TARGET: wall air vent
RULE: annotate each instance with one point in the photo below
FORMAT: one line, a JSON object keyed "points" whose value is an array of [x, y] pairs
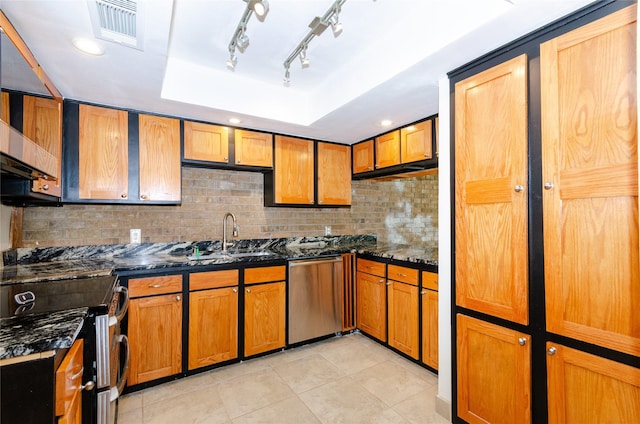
{"points": [[119, 21]]}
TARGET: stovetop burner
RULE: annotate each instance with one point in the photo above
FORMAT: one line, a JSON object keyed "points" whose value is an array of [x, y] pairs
{"points": [[55, 295]]}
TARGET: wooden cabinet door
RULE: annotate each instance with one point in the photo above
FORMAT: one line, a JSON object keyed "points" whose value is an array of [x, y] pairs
{"points": [[334, 174], [213, 326], [430, 327], [491, 191], [294, 175], [416, 141], [388, 149], [68, 399], [206, 142], [42, 124], [403, 318], [493, 373], [371, 310], [362, 157], [590, 172], [159, 150], [103, 154], [587, 389], [264, 318], [155, 337], [253, 148]]}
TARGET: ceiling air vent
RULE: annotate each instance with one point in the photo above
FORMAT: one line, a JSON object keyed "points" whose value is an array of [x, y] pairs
{"points": [[119, 21]]}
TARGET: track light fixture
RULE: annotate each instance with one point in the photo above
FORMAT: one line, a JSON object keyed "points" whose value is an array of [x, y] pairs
{"points": [[240, 40], [317, 25]]}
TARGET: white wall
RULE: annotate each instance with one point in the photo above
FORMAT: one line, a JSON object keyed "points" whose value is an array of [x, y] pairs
{"points": [[444, 253]]}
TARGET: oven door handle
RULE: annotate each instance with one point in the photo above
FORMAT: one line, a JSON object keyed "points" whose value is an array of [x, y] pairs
{"points": [[122, 310], [117, 390]]}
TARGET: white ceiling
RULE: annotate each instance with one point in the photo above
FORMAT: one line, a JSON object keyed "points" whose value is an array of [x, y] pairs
{"points": [[385, 64]]}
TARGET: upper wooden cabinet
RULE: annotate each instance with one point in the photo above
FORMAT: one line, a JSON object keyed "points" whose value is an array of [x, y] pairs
{"points": [[159, 159], [111, 155], [206, 142], [334, 174], [363, 157], [491, 191], [293, 174], [416, 142], [387, 149], [590, 177], [253, 148]]}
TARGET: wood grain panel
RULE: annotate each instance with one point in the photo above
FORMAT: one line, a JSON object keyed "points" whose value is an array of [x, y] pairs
{"points": [[494, 373], [149, 286], [334, 174], [155, 334], [348, 295], [103, 153], [403, 320], [372, 267], [404, 274], [388, 149], [294, 174], [159, 158], [213, 279], [4, 107], [362, 157], [371, 310], [213, 326], [415, 142], [430, 328], [430, 280], [265, 274], [69, 377], [587, 389], [589, 149], [264, 322], [206, 142], [253, 148], [491, 216]]}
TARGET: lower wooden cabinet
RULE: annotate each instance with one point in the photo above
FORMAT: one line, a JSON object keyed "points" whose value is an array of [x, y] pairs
{"points": [[68, 380], [584, 388], [213, 317], [371, 312], [403, 318], [493, 373], [264, 309], [155, 328], [429, 299]]}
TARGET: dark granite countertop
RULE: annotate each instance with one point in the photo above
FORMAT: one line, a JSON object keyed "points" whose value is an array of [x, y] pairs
{"points": [[32, 334]]}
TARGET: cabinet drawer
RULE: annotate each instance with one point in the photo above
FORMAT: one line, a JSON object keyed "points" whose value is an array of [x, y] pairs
{"points": [[265, 274], [69, 377], [430, 280], [151, 286], [371, 267], [404, 274], [213, 279]]}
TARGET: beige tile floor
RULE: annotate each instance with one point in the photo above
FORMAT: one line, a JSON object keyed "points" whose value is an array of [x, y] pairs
{"points": [[348, 379]]}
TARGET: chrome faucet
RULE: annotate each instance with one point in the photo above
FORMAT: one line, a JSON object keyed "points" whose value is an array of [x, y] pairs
{"points": [[226, 243]]}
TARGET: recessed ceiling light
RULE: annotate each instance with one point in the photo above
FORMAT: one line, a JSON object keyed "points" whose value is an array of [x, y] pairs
{"points": [[386, 122], [88, 46], [234, 121]]}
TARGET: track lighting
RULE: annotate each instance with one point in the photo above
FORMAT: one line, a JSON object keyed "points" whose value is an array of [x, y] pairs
{"points": [[317, 25], [240, 40]]}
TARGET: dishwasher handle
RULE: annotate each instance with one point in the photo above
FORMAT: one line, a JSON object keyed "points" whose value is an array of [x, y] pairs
{"points": [[314, 261]]}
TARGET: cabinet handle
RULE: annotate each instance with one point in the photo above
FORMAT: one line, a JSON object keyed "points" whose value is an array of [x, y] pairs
{"points": [[522, 341], [178, 298], [388, 283], [320, 202], [123, 195], [45, 187], [248, 290], [548, 185], [426, 155], [155, 286], [144, 196], [78, 374], [238, 161], [88, 386], [225, 158], [401, 275], [423, 292], [518, 188], [552, 351]]}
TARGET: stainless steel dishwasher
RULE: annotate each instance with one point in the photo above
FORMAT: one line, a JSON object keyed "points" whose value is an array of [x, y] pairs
{"points": [[315, 298]]}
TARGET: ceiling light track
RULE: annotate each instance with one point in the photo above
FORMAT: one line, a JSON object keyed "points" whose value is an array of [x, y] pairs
{"points": [[240, 40], [331, 19]]}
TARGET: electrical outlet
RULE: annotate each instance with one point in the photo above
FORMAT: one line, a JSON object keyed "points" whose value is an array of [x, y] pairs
{"points": [[135, 235], [327, 230]]}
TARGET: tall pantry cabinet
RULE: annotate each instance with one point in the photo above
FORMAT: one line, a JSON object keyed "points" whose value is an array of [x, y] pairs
{"points": [[547, 258]]}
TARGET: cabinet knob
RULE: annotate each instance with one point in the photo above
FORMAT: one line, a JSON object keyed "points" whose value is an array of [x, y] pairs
{"points": [[235, 290], [423, 292], [238, 161], [522, 341], [389, 283], [123, 195], [551, 351], [518, 188], [369, 168], [178, 298], [45, 187], [548, 185], [248, 290], [144, 196], [380, 281], [225, 158]]}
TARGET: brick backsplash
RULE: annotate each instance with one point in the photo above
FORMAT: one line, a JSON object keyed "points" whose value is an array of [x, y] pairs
{"points": [[400, 211]]}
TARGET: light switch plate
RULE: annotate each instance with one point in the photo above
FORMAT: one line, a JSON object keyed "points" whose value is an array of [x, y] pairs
{"points": [[135, 235], [327, 230]]}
